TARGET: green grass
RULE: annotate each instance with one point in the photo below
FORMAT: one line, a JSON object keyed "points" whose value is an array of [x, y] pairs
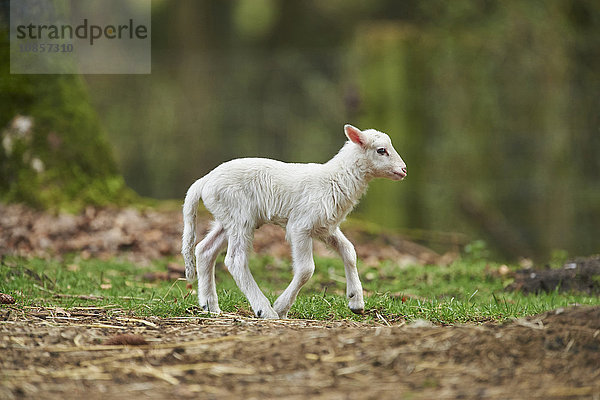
{"points": [[469, 290]]}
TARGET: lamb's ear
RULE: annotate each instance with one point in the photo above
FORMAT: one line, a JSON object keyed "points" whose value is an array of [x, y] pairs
{"points": [[355, 135]]}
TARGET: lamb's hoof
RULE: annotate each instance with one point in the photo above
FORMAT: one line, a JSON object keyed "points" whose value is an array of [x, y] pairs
{"points": [[211, 310], [282, 314], [358, 311], [267, 314]]}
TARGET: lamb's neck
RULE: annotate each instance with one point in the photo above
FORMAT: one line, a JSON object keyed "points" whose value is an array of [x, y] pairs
{"points": [[348, 174]]}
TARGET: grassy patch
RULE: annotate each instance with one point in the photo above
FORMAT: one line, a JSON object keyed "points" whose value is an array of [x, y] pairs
{"points": [[466, 291]]}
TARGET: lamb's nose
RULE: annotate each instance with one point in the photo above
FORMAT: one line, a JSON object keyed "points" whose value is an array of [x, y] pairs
{"points": [[405, 171]]}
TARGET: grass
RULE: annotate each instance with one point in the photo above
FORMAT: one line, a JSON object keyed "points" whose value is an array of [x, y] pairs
{"points": [[469, 290]]}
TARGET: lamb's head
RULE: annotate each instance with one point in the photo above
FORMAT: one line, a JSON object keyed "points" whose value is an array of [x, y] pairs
{"points": [[377, 153]]}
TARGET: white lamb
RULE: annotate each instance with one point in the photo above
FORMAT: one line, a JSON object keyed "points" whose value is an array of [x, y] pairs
{"points": [[310, 200]]}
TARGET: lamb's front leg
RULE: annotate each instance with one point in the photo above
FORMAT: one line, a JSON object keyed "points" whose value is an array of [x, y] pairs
{"points": [[354, 291], [303, 265]]}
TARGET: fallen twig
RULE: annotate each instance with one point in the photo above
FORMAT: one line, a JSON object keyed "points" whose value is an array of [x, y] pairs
{"points": [[200, 342], [141, 321]]}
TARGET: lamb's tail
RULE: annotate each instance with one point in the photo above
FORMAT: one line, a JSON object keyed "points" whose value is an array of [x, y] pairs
{"points": [[190, 208]]}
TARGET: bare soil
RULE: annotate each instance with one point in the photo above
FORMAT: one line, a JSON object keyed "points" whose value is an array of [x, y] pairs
{"points": [[579, 275], [54, 354]]}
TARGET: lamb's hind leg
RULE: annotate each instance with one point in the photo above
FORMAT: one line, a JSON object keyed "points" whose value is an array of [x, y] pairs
{"points": [[206, 254], [303, 265], [237, 263], [354, 291]]}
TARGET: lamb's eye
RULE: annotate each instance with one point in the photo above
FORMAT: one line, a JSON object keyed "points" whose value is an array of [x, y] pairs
{"points": [[382, 151]]}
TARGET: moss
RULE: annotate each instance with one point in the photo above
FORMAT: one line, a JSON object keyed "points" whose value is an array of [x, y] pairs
{"points": [[66, 139]]}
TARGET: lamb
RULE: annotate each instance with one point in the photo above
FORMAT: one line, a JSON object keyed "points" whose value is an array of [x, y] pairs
{"points": [[309, 200]]}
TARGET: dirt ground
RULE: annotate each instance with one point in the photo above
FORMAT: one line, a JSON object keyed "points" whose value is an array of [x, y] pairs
{"points": [[54, 354], [581, 275], [142, 236], [51, 353]]}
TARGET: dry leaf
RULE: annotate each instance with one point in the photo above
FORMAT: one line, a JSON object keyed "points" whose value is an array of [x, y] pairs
{"points": [[73, 267], [126, 339]]}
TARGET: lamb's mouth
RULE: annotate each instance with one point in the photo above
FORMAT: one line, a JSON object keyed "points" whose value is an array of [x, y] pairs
{"points": [[399, 175]]}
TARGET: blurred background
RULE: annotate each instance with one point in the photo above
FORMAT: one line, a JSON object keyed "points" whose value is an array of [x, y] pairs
{"points": [[494, 106]]}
